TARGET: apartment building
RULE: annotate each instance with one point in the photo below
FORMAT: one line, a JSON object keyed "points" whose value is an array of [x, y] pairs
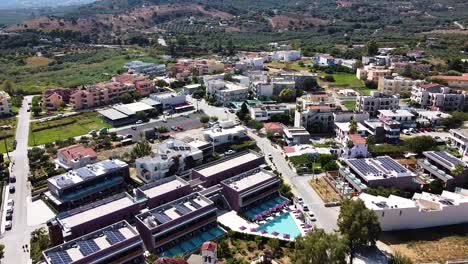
{"points": [[52, 101], [245, 189], [440, 164], [316, 118], [163, 191], [423, 210], [117, 243], [75, 156], [145, 68], [404, 118], [342, 130], [187, 67], [226, 92], [377, 101], [324, 60], [264, 112], [85, 184], [454, 81], [439, 97], [171, 157], [395, 84], [286, 55], [5, 104], [142, 84], [380, 171], [296, 136], [225, 132], [459, 139], [99, 94], [372, 73], [213, 173]]}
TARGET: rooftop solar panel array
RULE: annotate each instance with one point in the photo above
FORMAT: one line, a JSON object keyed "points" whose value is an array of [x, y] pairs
{"points": [[195, 205], [109, 165], [449, 158], [162, 218], [391, 165], [85, 172], [182, 209], [363, 167], [59, 257], [114, 236], [88, 247]]}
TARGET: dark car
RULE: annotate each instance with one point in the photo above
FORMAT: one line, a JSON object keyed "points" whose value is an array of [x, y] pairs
{"points": [[12, 179], [12, 189], [134, 128], [9, 216]]}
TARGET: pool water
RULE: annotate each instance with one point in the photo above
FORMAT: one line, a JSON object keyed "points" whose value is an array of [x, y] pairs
{"points": [[264, 206], [283, 224]]}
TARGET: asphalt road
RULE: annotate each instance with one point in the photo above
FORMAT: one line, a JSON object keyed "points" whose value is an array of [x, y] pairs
{"points": [[19, 235], [190, 122]]}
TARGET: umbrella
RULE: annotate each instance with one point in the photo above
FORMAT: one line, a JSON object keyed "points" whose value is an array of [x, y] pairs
{"points": [[265, 213], [242, 228], [258, 217], [278, 206], [308, 226], [263, 231], [287, 236], [253, 229], [275, 233], [297, 211], [272, 210]]}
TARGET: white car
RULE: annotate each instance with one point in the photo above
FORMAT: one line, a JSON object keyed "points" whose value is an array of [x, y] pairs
{"points": [[10, 202], [8, 225], [270, 156], [139, 122], [311, 215], [9, 209]]}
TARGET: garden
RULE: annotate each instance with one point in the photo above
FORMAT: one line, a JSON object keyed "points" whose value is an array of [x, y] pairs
{"points": [[305, 164]]}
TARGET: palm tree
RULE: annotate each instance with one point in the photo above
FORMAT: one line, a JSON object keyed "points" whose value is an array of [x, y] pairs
{"points": [[353, 126]]}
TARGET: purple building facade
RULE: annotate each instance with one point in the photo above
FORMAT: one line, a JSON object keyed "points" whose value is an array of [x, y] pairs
{"points": [[163, 191]]}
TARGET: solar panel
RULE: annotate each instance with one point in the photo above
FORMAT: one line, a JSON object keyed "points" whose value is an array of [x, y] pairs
{"points": [[162, 218], [108, 165], [114, 236], [438, 158], [59, 257], [449, 158], [390, 164], [88, 247], [85, 173], [363, 167], [182, 209], [195, 205]]}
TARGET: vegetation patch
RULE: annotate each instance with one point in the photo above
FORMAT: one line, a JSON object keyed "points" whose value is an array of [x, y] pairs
{"points": [[325, 191]]}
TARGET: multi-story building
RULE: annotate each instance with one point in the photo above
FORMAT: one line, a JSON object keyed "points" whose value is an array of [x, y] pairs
{"points": [[417, 54], [324, 60], [145, 68], [187, 67], [261, 89], [459, 139], [395, 84], [215, 172], [171, 100], [5, 104], [263, 112], [286, 55], [316, 118], [117, 243], [163, 191], [176, 222], [353, 146], [404, 117], [99, 94], [296, 136], [440, 164], [423, 210], [142, 84], [75, 156], [281, 83], [428, 118], [380, 171], [82, 185], [226, 92], [342, 130], [372, 73], [454, 81], [93, 216], [439, 97], [377, 101], [171, 157], [245, 189], [225, 132], [52, 101]]}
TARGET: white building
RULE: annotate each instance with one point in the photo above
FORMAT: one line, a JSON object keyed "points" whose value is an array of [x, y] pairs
{"points": [[225, 132], [396, 84], [342, 130], [430, 118], [170, 157], [5, 104], [422, 211], [261, 89], [438, 97], [459, 139], [264, 112], [226, 92], [145, 68], [286, 55], [353, 146], [404, 117], [241, 79], [377, 101], [169, 99]]}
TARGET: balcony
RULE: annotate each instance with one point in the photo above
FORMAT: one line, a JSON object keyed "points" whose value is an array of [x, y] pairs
{"points": [[425, 164], [352, 179]]}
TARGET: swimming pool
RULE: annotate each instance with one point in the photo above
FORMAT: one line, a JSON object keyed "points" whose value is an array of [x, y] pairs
{"points": [[283, 224], [264, 206]]}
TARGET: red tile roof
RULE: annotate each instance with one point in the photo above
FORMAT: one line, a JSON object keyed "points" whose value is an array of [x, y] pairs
{"points": [[429, 85], [209, 246], [357, 139], [463, 78], [273, 126], [76, 152], [320, 107], [289, 149]]}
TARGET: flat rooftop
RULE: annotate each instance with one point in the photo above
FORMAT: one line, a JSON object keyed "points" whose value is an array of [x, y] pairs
{"points": [[248, 179], [94, 210], [344, 126], [396, 113], [443, 158], [163, 186], [133, 108], [112, 114], [90, 244], [378, 168], [89, 172], [171, 211], [228, 164]]}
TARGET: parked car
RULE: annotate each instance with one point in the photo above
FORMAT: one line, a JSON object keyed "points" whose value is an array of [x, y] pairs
{"points": [[139, 122], [9, 209], [305, 208], [29, 109], [128, 136], [299, 200], [8, 225], [229, 152], [313, 219], [186, 116], [173, 128], [12, 189], [311, 215], [60, 115], [180, 128], [12, 179], [134, 128], [10, 202], [270, 156], [9, 216], [92, 132]]}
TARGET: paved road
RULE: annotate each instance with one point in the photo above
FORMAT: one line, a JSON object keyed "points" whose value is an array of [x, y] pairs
{"points": [[20, 233], [326, 216], [190, 122]]}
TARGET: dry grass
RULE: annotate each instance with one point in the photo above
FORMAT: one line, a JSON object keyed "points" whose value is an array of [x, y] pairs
{"points": [[325, 191], [250, 251], [37, 61]]}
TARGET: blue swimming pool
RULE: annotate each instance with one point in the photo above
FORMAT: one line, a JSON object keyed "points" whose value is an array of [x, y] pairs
{"points": [[283, 224], [264, 206]]}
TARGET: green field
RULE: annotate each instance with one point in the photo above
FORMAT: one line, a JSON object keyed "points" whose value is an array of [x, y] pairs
{"points": [[84, 123], [9, 134], [351, 105], [347, 79], [71, 70]]}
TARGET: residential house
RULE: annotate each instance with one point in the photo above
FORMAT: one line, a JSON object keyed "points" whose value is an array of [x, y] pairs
{"points": [[353, 146], [5, 104], [75, 156], [273, 127], [405, 118], [439, 97], [342, 130], [296, 136], [459, 139], [225, 132], [316, 118], [264, 112], [440, 164], [416, 54], [324, 60], [226, 92], [395, 84]]}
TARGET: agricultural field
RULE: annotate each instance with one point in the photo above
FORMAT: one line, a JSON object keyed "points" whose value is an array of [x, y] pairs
{"points": [[7, 135], [60, 129]]}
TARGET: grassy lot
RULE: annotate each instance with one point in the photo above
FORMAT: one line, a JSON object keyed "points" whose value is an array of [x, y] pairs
{"points": [[351, 105], [325, 191], [8, 134], [65, 128], [292, 66], [34, 75], [347, 79], [430, 244], [365, 91]]}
